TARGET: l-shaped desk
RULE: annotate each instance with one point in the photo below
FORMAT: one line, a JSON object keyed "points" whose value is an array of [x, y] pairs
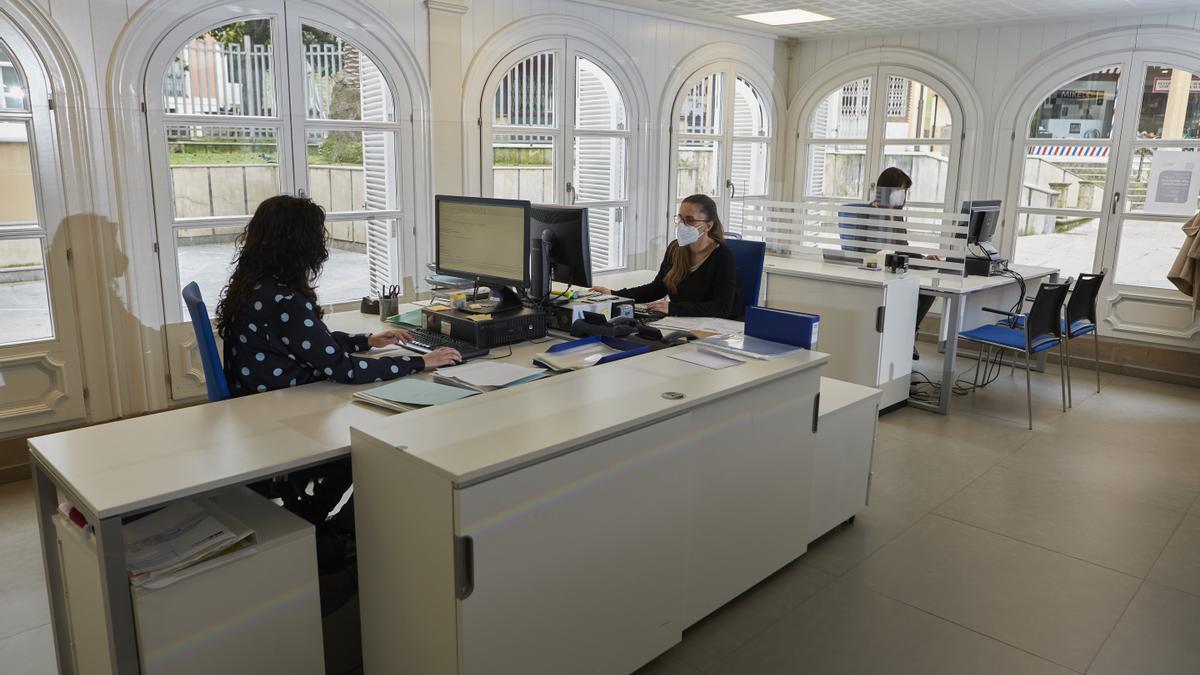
{"points": [[593, 514]]}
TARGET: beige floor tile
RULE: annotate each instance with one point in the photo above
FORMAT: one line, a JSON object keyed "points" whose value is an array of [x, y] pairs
{"points": [[670, 663], [23, 602], [1145, 472], [29, 653], [16, 507], [1179, 564], [845, 547], [1158, 635], [959, 428], [1043, 602], [1067, 516], [719, 634], [919, 475], [851, 629]]}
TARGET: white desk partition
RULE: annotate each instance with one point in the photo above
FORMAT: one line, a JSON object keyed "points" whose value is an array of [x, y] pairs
{"points": [[839, 231]]}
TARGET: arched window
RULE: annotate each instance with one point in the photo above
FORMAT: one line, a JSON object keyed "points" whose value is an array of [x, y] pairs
{"points": [[557, 130], [39, 338], [722, 141], [257, 106], [1110, 168], [1062, 195], [882, 119]]}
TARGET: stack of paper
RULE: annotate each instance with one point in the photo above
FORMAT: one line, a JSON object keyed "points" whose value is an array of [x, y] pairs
{"points": [[704, 324], [161, 547], [410, 393], [745, 345], [484, 376]]}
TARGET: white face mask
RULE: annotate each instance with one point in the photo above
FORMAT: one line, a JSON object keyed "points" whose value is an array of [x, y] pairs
{"points": [[686, 235], [891, 197]]}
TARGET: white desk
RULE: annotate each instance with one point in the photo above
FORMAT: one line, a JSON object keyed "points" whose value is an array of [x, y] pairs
{"points": [[964, 297], [582, 522], [737, 525], [114, 470]]}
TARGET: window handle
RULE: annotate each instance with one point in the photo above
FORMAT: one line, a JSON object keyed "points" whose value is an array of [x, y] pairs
{"points": [[1115, 200], [732, 188], [571, 191]]}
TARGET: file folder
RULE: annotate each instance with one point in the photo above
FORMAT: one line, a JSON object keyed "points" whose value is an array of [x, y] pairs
{"points": [[798, 329]]}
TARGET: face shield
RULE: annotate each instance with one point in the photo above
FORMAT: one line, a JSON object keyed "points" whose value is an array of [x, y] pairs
{"points": [[891, 197]]}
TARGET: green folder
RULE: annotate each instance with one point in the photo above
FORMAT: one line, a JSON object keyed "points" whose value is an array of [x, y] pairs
{"points": [[410, 391]]}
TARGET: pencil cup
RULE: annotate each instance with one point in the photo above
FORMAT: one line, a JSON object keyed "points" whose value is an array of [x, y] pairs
{"points": [[388, 307]]}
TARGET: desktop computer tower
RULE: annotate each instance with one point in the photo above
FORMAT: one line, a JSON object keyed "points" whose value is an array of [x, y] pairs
{"points": [[487, 330]]}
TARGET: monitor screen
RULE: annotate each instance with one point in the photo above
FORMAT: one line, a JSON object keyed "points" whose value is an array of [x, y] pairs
{"points": [[485, 239], [570, 255], [985, 216]]}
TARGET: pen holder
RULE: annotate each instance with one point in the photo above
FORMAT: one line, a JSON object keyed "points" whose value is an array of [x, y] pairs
{"points": [[369, 306], [388, 307]]}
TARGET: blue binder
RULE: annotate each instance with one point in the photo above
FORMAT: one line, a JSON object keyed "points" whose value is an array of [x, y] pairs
{"points": [[779, 325]]}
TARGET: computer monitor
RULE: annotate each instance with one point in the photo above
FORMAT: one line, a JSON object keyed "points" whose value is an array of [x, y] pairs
{"points": [[559, 249], [483, 239], [985, 216]]}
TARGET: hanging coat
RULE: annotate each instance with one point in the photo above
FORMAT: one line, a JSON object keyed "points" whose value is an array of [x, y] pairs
{"points": [[1185, 273]]}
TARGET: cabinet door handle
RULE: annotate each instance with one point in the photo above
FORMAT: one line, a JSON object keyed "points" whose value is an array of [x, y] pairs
{"points": [[880, 314], [816, 411], [464, 567]]}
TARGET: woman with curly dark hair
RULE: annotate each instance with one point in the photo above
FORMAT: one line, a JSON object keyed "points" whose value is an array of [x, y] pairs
{"points": [[269, 318]]}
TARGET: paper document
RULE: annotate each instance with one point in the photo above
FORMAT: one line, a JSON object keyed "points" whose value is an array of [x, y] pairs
{"points": [[745, 345], [407, 393], [487, 375], [708, 359], [706, 324], [1174, 183], [390, 350], [178, 536]]}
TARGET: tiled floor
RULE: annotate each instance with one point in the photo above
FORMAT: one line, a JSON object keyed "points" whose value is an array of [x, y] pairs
{"points": [[987, 548]]}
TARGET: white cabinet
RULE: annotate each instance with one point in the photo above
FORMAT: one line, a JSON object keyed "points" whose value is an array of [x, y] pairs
{"points": [[256, 614], [867, 325], [845, 448], [595, 557]]}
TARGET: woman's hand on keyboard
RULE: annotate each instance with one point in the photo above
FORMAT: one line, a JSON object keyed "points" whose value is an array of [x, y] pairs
{"points": [[389, 337], [442, 356]]}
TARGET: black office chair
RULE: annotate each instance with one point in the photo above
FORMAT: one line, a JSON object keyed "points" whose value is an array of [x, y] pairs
{"points": [[1042, 329], [1079, 319]]}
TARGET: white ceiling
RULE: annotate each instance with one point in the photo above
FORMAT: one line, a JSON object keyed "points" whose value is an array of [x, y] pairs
{"points": [[881, 16]]}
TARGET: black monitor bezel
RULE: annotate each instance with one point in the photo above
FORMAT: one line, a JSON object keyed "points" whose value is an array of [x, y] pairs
{"points": [[586, 237], [981, 206], [523, 204]]}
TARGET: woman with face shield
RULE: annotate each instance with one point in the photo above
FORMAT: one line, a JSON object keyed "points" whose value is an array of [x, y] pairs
{"points": [[698, 276]]}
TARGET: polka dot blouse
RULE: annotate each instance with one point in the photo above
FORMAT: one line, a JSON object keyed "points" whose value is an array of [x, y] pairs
{"points": [[281, 342]]}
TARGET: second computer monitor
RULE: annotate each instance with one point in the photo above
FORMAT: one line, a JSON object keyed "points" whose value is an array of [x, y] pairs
{"points": [[985, 216], [483, 239], [570, 254]]}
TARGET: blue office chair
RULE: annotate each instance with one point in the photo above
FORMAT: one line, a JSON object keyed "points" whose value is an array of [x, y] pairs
{"points": [[748, 256], [1042, 330], [214, 375]]}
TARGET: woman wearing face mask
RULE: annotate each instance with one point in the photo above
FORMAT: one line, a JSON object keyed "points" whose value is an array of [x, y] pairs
{"points": [[697, 276]]}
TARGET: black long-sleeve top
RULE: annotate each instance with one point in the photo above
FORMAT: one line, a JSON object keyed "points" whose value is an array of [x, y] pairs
{"points": [[709, 290], [281, 342]]}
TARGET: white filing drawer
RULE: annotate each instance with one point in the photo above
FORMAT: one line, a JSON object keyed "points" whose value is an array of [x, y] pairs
{"points": [[844, 451], [257, 614]]}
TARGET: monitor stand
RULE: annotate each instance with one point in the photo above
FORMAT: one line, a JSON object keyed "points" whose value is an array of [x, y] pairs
{"points": [[508, 301], [990, 250]]}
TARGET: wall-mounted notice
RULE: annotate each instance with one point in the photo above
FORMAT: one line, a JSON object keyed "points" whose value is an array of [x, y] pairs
{"points": [[1174, 182]]}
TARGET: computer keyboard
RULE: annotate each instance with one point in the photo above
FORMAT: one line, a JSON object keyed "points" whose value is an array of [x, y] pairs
{"points": [[425, 341]]}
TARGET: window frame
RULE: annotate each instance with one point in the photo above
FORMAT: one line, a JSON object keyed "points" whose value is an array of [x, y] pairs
{"points": [[566, 51], [876, 140], [724, 139], [291, 122]]}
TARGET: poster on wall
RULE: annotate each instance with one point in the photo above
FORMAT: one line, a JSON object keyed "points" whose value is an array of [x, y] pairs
{"points": [[1174, 182]]}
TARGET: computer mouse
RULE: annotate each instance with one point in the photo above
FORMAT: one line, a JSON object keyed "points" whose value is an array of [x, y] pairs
{"points": [[678, 337]]}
